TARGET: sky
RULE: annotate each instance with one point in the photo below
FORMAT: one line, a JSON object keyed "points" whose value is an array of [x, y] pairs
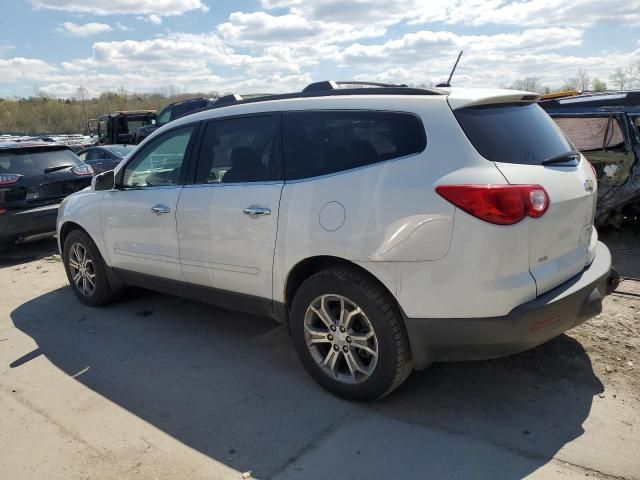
{"points": [[261, 46]]}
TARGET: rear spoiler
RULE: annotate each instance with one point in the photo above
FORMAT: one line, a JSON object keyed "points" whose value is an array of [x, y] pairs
{"points": [[475, 98]]}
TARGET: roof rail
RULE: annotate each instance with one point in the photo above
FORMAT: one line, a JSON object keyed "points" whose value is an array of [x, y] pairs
{"points": [[334, 85], [359, 88]]}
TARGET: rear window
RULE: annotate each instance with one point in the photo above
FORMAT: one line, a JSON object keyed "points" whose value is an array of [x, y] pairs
{"points": [[322, 142], [33, 162], [510, 133]]}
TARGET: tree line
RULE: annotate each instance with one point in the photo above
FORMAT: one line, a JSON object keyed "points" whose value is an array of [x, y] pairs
{"points": [[44, 114], [622, 78]]}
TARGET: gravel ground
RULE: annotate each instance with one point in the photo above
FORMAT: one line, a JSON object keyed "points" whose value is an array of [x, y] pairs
{"points": [[157, 387]]}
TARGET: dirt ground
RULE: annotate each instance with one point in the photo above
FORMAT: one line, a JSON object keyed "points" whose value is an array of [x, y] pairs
{"points": [[612, 338], [158, 387]]}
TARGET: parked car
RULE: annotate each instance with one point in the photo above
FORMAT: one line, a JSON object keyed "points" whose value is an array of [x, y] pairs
{"points": [[170, 113], [119, 128], [388, 227], [34, 178], [605, 127], [104, 158]]}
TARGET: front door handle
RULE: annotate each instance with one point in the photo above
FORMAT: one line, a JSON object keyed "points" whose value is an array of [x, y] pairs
{"points": [[160, 209], [254, 211]]}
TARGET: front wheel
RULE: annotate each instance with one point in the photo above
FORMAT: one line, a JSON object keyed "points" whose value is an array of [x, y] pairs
{"points": [[86, 270], [349, 335]]}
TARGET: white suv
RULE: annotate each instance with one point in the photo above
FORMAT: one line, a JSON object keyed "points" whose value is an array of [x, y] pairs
{"points": [[388, 227]]}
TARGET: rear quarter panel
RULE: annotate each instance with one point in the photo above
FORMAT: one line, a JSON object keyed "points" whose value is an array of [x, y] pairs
{"points": [[379, 215]]}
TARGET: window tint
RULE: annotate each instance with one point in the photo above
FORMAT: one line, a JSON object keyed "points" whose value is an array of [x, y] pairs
{"points": [[159, 163], [238, 150], [510, 133], [318, 143]]}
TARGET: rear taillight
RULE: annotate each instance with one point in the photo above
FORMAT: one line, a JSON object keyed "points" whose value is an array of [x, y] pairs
{"points": [[498, 204], [82, 170], [9, 178]]}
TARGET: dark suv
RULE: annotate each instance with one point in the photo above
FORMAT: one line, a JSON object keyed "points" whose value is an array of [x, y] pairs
{"points": [[34, 179], [171, 112]]}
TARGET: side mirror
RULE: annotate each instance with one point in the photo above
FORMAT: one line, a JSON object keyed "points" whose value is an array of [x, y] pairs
{"points": [[104, 181]]}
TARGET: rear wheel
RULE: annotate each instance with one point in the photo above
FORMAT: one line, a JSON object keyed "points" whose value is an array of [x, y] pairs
{"points": [[349, 335], [86, 270]]}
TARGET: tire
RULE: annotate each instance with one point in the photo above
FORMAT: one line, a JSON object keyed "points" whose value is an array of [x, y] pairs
{"points": [[368, 307], [94, 271]]}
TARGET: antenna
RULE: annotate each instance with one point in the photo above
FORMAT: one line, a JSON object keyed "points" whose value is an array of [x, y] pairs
{"points": [[448, 84]]}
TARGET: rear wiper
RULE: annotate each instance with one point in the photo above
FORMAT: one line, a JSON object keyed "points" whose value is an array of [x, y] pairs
{"points": [[562, 157], [55, 169]]}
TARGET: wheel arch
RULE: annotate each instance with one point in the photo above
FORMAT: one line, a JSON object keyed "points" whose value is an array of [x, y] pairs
{"points": [[66, 228], [311, 265]]}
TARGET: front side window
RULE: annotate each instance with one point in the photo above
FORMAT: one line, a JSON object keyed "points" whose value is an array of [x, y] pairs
{"points": [[322, 142], [238, 150], [161, 162]]}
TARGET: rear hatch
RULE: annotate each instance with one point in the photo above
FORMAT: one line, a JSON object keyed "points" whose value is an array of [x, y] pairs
{"points": [[520, 138], [36, 176]]}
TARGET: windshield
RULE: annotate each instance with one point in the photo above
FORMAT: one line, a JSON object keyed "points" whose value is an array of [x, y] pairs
{"points": [[33, 162], [511, 133], [164, 117], [120, 150]]}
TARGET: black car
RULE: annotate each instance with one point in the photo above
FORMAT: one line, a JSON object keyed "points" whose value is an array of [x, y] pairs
{"points": [[104, 158], [171, 112], [34, 179]]}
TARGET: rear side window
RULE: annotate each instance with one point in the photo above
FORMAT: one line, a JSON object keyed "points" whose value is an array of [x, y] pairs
{"points": [[239, 150], [510, 133], [322, 142], [32, 162]]}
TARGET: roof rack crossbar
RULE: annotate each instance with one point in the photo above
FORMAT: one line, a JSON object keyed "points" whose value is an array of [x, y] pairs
{"points": [[334, 85]]}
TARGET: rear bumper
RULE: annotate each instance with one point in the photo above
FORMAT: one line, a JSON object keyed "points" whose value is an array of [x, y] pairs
{"points": [[19, 224], [526, 326]]}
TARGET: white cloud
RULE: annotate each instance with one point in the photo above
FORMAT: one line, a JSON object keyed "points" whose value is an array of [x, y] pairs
{"points": [[295, 42], [123, 7], [84, 30], [123, 28]]}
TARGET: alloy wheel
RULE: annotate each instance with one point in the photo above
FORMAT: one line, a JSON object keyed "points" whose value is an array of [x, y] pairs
{"points": [[340, 338], [82, 269]]}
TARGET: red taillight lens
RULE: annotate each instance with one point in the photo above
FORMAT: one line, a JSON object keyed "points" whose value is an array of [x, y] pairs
{"points": [[9, 178], [498, 204], [82, 170]]}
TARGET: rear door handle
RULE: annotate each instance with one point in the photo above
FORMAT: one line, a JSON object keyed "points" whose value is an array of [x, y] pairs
{"points": [[254, 211], [160, 209]]}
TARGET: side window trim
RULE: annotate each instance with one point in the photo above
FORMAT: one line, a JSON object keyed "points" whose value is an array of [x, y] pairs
{"points": [[277, 149], [187, 161]]}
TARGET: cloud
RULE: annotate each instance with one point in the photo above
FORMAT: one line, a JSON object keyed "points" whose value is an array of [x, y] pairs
{"points": [[83, 30], [156, 8], [295, 42]]}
